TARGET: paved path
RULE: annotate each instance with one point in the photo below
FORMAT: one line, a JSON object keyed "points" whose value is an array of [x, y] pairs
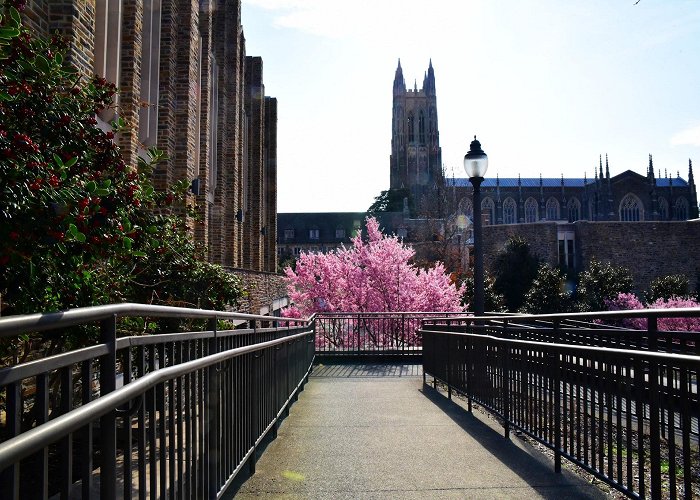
{"points": [[374, 431]]}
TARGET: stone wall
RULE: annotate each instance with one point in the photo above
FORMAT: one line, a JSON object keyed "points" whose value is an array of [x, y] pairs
{"points": [[647, 249], [267, 292]]}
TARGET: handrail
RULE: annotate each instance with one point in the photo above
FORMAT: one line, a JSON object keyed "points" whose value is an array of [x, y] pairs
{"points": [[15, 325], [677, 312], [658, 356], [39, 437]]}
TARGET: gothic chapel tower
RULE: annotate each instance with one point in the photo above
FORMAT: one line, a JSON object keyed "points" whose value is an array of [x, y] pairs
{"points": [[415, 161]]}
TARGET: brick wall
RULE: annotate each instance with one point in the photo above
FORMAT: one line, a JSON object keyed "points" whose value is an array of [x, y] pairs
{"points": [[647, 249], [255, 110], [263, 290], [270, 176], [193, 34]]}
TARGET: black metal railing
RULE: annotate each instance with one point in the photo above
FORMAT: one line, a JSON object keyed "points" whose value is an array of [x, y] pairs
{"points": [[628, 414], [374, 333], [176, 415]]}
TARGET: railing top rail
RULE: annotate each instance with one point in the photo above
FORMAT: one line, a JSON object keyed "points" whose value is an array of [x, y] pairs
{"points": [[632, 313], [628, 353], [387, 313], [25, 444], [15, 325]]}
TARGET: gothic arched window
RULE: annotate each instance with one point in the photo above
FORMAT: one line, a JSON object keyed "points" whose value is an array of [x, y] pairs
{"points": [[410, 128], [489, 207], [631, 209], [421, 128], [531, 210], [466, 207], [510, 211], [552, 209], [574, 209], [663, 208], [680, 209]]}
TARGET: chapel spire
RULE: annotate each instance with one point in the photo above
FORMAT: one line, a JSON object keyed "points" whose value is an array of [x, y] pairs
{"points": [[399, 82]]}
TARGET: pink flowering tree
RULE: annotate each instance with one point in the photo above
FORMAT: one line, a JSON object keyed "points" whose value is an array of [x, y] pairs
{"points": [[629, 301], [376, 275]]}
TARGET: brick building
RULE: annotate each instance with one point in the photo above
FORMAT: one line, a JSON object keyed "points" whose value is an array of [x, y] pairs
{"points": [[186, 87]]}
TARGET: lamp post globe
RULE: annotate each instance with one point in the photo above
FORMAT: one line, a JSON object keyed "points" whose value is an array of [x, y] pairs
{"points": [[475, 164]]}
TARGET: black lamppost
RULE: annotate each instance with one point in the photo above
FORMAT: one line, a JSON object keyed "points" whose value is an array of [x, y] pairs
{"points": [[475, 164]]}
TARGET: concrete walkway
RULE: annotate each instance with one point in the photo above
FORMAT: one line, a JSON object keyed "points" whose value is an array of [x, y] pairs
{"points": [[374, 431]]}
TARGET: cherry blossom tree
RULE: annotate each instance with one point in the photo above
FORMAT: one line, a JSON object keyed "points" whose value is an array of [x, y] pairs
{"points": [[370, 276]]}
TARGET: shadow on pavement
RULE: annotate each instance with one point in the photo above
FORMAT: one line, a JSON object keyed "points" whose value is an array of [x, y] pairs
{"points": [[532, 466]]}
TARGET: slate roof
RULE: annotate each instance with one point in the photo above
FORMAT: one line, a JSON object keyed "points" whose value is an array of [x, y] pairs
{"points": [[551, 182], [325, 222]]}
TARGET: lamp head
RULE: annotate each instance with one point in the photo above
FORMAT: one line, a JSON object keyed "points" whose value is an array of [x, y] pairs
{"points": [[475, 161]]}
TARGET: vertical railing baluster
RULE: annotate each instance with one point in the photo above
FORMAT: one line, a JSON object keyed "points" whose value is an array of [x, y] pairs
{"points": [[654, 424], [66, 443], [86, 374], [126, 374], [557, 369], [9, 484], [212, 421], [141, 430], [108, 424], [40, 473], [506, 391]]}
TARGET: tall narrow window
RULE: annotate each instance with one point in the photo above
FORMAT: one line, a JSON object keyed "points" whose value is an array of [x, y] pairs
{"points": [[509, 211], [150, 72], [213, 126], [680, 209], [663, 208], [421, 128], [531, 210], [574, 209], [410, 128], [552, 209], [488, 206], [631, 209], [198, 109], [108, 35]]}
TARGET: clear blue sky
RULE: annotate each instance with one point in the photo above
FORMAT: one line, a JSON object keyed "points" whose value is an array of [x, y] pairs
{"points": [[546, 85]]}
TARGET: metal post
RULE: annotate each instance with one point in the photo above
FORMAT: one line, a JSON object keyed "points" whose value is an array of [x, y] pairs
{"points": [[108, 422], [506, 392], [654, 425], [478, 248], [212, 405]]}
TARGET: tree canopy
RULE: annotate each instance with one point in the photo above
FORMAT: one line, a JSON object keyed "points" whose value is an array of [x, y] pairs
{"points": [[376, 275]]}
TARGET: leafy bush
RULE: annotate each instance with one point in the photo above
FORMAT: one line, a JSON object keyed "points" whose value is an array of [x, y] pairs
{"points": [[514, 270], [78, 226], [548, 293], [601, 282], [493, 301], [665, 287]]}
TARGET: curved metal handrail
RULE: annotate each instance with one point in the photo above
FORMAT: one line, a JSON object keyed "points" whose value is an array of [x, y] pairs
{"points": [[15, 325]]}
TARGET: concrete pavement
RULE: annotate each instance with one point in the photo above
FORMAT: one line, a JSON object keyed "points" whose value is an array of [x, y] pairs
{"points": [[374, 431]]}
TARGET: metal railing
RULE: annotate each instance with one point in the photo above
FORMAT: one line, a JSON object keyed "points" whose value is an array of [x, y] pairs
{"points": [[176, 415], [627, 414], [373, 333]]}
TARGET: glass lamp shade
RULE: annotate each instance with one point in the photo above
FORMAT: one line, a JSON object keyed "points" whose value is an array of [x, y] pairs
{"points": [[475, 161]]}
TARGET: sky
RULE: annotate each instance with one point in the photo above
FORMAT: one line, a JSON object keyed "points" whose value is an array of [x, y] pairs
{"points": [[546, 85]]}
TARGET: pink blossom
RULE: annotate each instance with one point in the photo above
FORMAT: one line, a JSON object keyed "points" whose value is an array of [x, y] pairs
{"points": [[371, 276]]}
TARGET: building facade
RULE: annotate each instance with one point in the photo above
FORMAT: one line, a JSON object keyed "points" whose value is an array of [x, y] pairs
{"points": [[416, 158], [626, 197], [186, 87]]}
